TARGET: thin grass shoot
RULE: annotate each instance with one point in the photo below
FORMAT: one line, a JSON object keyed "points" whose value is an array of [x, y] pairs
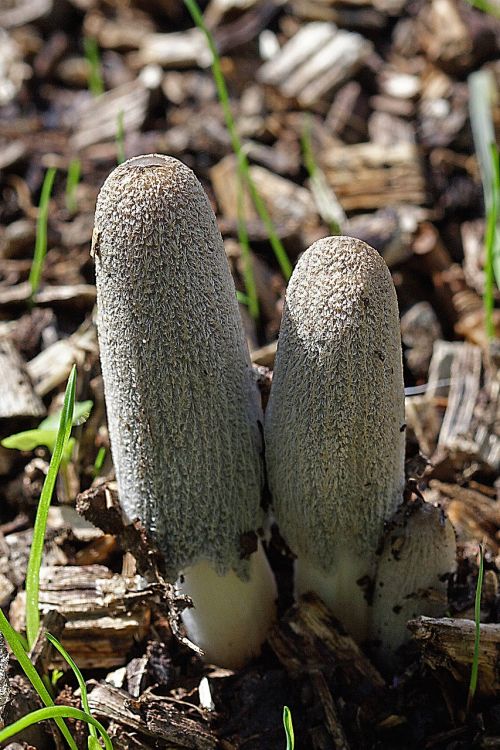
{"points": [[326, 201], [120, 138], [99, 461], [242, 161], [477, 637], [72, 180], [94, 79], [287, 723], [57, 713], [79, 677], [482, 93], [36, 551], [492, 245], [41, 231], [246, 255], [17, 647]]}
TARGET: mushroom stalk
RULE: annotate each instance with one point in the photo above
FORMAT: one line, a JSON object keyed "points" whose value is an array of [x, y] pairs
{"points": [[335, 422], [183, 407]]}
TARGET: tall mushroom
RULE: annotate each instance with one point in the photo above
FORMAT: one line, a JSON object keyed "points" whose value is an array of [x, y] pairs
{"points": [[334, 425], [183, 409]]}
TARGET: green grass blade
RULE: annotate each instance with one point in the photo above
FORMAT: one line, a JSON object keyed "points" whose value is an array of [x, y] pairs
{"points": [[57, 713], [246, 255], [95, 81], [326, 201], [492, 246], [41, 231], [16, 645], [243, 165], [72, 180], [477, 619], [36, 552], [120, 138], [287, 723], [79, 677], [491, 8], [482, 93]]}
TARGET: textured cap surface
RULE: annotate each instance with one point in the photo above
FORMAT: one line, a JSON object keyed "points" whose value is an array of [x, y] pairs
{"points": [[183, 407], [335, 420]]}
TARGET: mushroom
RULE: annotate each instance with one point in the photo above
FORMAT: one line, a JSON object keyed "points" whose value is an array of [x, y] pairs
{"points": [[417, 559], [334, 428], [183, 408]]}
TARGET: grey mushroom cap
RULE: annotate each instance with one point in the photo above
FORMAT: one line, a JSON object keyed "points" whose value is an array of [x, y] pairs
{"points": [[183, 408], [334, 426]]}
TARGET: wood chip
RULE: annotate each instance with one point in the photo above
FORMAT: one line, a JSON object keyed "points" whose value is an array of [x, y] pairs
{"points": [[181, 49], [447, 645], [18, 397], [309, 639], [97, 119], [286, 201], [150, 717], [52, 366], [318, 59], [370, 176], [105, 612]]}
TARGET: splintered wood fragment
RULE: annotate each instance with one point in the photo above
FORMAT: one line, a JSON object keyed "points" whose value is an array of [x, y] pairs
{"points": [[52, 366], [265, 355], [386, 129], [309, 639], [18, 397], [465, 374], [448, 645], [472, 513], [420, 329], [11, 152], [97, 119], [150, 716], [105, 612], [81, 296], [14, 14], [473, 243], [318, 59], [286, 202], [439, 377], [332, 723], [180, 49], [443, 33], [370, 176]]}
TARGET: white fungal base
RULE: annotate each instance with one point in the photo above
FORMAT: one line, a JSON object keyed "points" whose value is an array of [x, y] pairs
{"points": [[339, 589], [230, 618], [418, 557]]}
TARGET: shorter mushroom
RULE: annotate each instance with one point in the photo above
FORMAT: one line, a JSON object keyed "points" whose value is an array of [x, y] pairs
{"points": [[334, 425]]}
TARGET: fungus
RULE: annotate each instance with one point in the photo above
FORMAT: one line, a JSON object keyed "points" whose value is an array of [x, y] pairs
{"points": [[183, 408], [417, 559], [334, 425]]}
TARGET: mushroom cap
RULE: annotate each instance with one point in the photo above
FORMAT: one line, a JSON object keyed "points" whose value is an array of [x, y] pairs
{"points": [[334, 426], [183, 407]]}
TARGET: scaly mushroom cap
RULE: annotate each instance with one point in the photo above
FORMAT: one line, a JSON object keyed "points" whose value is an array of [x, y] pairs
{"points": [[334, 427], [183, 407]]}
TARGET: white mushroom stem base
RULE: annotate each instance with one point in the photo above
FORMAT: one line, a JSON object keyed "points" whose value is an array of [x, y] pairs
{"points": [[339, 588], [230, 618]]}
